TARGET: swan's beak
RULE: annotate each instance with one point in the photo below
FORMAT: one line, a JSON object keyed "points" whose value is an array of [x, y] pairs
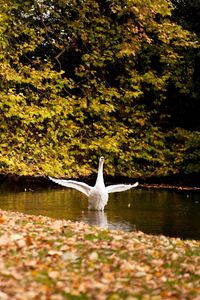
{"points": [[101, 158]]}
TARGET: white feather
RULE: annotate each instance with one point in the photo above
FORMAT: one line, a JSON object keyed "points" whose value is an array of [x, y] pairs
{"points": [[120, 187], [80, 186]]}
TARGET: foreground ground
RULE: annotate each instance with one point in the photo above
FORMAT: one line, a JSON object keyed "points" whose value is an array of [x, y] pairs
{"points": [[42, 258]]}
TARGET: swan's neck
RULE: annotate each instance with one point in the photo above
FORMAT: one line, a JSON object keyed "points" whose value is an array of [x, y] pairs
{"points": [[100, 181]]}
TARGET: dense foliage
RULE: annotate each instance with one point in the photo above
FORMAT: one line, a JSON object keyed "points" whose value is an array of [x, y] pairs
{"points": [[79, 79]]}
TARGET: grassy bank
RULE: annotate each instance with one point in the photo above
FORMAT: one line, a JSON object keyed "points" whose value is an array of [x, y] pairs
{"points": [[42, 258]]}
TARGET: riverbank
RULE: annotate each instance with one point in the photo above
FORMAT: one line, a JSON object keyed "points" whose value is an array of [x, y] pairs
{"points": [[17, 182], [42, 258]]}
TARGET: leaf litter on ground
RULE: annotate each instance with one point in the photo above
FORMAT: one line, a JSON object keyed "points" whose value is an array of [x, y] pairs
{"points": [[42, 258]]}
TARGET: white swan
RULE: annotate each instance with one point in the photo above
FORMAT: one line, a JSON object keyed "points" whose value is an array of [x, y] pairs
{"points": [[97, 195]]}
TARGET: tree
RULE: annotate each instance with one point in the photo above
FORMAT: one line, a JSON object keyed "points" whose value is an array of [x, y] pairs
{"points": [[84, 78], [187, 13]]}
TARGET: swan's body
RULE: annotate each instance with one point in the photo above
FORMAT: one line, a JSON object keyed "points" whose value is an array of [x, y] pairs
{"points": [[97, 195]]}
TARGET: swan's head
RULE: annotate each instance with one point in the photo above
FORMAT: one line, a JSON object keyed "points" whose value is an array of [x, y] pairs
{"points": [[101, 159]]}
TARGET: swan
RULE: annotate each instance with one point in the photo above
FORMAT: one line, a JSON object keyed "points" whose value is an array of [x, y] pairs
{"points": [[98, 194]]}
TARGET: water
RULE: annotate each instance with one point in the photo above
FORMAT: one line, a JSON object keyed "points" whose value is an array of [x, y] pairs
{"points": [[172, 213]]}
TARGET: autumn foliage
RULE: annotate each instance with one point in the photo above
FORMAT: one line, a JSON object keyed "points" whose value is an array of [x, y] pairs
{"points": [[79, 79]]}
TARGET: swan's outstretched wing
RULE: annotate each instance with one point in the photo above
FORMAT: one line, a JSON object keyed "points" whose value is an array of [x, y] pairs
{"points": [[80, 186], [120, 187]]}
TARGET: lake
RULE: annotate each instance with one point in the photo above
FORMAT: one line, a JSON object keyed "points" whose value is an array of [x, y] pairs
{"points": [[155, 211]]}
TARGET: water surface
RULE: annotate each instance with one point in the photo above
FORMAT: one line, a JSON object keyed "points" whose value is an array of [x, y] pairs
{"points": [[172, 213]]}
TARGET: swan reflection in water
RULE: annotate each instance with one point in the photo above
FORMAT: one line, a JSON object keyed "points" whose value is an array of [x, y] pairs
{"points": [[99, 218], [96, 218]]}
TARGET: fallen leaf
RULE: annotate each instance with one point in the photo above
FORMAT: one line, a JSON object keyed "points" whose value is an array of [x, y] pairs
{"points": [[93, 256]]}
